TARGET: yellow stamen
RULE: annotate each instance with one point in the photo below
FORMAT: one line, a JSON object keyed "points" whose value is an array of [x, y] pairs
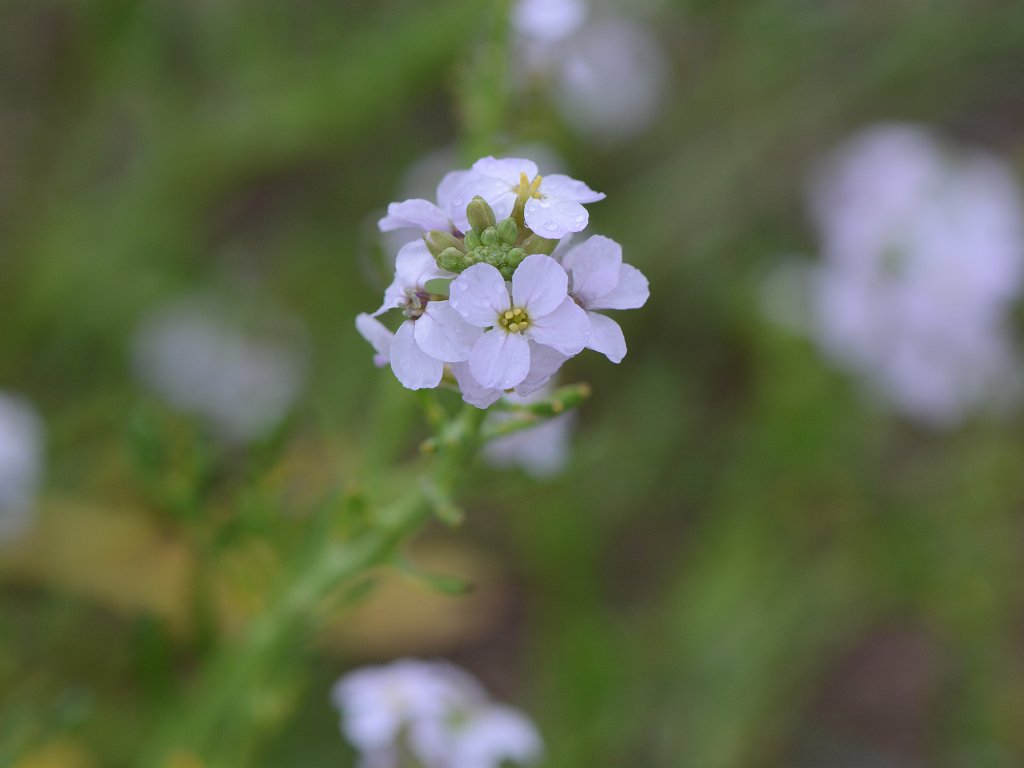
{"points": [[535, 186], [508, 315]]}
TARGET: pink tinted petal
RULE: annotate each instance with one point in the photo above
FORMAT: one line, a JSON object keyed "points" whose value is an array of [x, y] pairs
{"points": [[500, 360], [414, 265], [499, 195], [442, 333], [479, 294], [421, 214], [632, 291], [553, 217], [606, 337], [565, 330], [373, 331], [413, 367], [561, 186], [507, 169], [594, 265], [447, 188], [544, 363], [539, 285], [472, 392]]}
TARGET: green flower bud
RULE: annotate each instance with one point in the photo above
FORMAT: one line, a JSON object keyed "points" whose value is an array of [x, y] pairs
{"points": [[489, 236], [437, 241], [537, 244], [453, 260], [508, 231], [480, 214], [472, 241]]}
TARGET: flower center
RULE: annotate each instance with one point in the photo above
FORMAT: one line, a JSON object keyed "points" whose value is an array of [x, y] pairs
{"points": [[514, 320], [415, 304], [527, 188]]}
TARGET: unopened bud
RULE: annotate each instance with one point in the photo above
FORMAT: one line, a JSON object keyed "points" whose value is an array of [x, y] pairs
{"points": [[480, 214], [453, 260], [489, 236], [508, 231], [472, 241], [438, 240]]}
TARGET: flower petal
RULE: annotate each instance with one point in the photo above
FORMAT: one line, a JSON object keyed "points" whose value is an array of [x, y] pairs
{"points": [[447, 188], [507, 169], [442, 333], [499, 195], [632, 291], [606, 337], [594, 265], [565, 330], [544, 363], [472, 392], [413, 367], [480, 294], [500, 360], [554, 217], [539, 285], [414, 265], [421, 214], [373, 331], [561, 186]]}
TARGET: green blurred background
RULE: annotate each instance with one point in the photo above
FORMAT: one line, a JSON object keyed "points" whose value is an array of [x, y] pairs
{"points": [[746, 562]]}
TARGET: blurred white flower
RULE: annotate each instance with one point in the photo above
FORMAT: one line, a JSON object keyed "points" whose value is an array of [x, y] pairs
{"points": [[194, 355], [541, 451], [611, 79], [923, 252], [548, 20], [434, 712], [21, 462], [606, 73]]}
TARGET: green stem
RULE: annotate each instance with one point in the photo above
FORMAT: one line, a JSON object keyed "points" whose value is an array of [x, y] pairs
{"points": [[216, 717]]}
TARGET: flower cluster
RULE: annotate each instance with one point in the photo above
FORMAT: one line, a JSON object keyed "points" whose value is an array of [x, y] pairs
{"points": [[494, 295], [923, 262], [431, 715]]}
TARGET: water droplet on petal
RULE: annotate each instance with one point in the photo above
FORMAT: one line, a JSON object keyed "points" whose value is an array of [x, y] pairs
{"points": [[550, 227]]}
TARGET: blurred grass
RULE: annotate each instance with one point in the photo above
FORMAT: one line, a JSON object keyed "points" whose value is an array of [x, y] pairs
{"points": [[737, 522]]}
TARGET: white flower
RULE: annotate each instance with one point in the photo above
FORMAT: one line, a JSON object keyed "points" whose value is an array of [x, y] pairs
{"points": [[539, 310], [548, 20], [923, 257], [487, 736], [379, 703], [599, 280], [541, 451], [433, 332], [193, 355], [434, 711], [21, 460], [553, 205], [423, 214]]}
